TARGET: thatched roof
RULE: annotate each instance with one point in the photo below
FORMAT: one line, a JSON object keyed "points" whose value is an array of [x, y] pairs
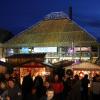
{"points": [[52, 32]]}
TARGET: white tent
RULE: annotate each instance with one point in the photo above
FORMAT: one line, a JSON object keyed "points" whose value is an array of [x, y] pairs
{"points": [[86, 66]]}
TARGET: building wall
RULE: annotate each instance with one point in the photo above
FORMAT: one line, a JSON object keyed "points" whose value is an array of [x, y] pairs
{"points": [[61, 53]]}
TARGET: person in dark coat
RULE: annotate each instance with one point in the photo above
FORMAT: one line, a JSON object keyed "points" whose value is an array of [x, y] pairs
{"points": [[27, 85], [67, 82], [38, 83], [74, 93], [33, 95], [84, 87]]}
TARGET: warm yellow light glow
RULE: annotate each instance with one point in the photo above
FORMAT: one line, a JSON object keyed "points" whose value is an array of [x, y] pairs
{"points": [[3, 59]]}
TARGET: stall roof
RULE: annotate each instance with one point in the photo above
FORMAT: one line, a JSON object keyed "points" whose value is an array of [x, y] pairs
{"points": [[63, 63], [86, 66], [34, 64], [18, 59], [27, 55]]}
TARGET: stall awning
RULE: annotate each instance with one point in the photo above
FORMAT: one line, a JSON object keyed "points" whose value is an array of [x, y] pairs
{"points": [[86, 66]]}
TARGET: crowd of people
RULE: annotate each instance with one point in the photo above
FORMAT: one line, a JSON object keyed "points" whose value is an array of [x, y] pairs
{"points": [[53, 88]]}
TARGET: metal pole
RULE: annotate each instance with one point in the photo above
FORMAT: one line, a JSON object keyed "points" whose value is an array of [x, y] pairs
{"points": [[98, 51]]}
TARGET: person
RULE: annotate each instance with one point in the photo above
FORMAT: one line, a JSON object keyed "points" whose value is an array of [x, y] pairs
{"points": [[49, 95], [74, 93], [26, 86], [32, 95], [13, 91], [38, 83], [96, 88], [84, 87], [3, 87], [67, 82], [8, 98], [58, 87], [46, 86]]}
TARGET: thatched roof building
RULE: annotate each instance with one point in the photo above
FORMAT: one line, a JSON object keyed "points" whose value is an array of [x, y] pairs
{"points": [[54, 30]]}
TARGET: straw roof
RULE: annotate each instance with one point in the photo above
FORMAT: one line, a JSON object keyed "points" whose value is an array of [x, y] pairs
{"points": [[86, 66], [52, 32]]}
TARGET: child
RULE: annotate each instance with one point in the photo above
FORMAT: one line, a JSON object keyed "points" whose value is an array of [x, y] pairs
{"points": [[49, 95]]}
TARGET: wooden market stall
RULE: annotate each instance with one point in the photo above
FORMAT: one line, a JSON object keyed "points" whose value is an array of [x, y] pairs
{"points": [[34, 68], [24, 64]]}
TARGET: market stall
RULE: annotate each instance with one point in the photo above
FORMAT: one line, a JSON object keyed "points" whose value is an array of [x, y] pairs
{"points": [[24, 64], [33, 68], [86, 68]]}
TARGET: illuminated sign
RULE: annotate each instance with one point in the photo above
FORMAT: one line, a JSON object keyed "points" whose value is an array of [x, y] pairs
{"points": [[45, 49], [82, 49], [24, 50]]}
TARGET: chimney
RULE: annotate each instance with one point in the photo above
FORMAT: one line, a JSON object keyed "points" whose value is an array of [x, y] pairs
{"points": [[70, 12]]}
